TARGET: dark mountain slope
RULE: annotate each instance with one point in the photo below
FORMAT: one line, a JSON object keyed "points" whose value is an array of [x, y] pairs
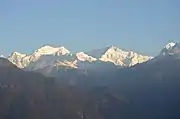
{"points": [[27, 95], [153, 88], [24, 94], [150, 90]]}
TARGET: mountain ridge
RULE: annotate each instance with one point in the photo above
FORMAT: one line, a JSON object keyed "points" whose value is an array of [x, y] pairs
{"points": [[153, 84], [61, 50], [56, 57]]}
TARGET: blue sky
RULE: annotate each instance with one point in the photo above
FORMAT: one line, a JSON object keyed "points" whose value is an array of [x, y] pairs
{"points": [[81, 25]]}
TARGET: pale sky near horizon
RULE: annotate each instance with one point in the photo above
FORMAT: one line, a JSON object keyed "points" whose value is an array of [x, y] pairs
{"points": [[144, 26]]}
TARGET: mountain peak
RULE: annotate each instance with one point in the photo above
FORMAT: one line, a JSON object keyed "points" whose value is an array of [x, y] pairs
{"points": [[169, 49], [17, 54], [170, 45], [48, 50], [48, 55], [112, 46], [114, 49], [118, 56], [97, 53], [84, 57]]}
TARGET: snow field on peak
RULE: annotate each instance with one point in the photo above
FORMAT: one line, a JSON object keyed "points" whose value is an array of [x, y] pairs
{"points": [[51, 58]]}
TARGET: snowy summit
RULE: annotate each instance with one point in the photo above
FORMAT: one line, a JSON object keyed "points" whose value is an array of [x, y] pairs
{"points": [[170, 45], [54, 58]]}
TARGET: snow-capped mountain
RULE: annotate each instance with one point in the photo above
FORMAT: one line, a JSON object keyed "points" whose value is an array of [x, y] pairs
{"points": [[50, 59], [49, 50], [167, 48], [24, 60], [81, 56], [118, 56], [172, 49], [17, 59], [170, 45]]}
